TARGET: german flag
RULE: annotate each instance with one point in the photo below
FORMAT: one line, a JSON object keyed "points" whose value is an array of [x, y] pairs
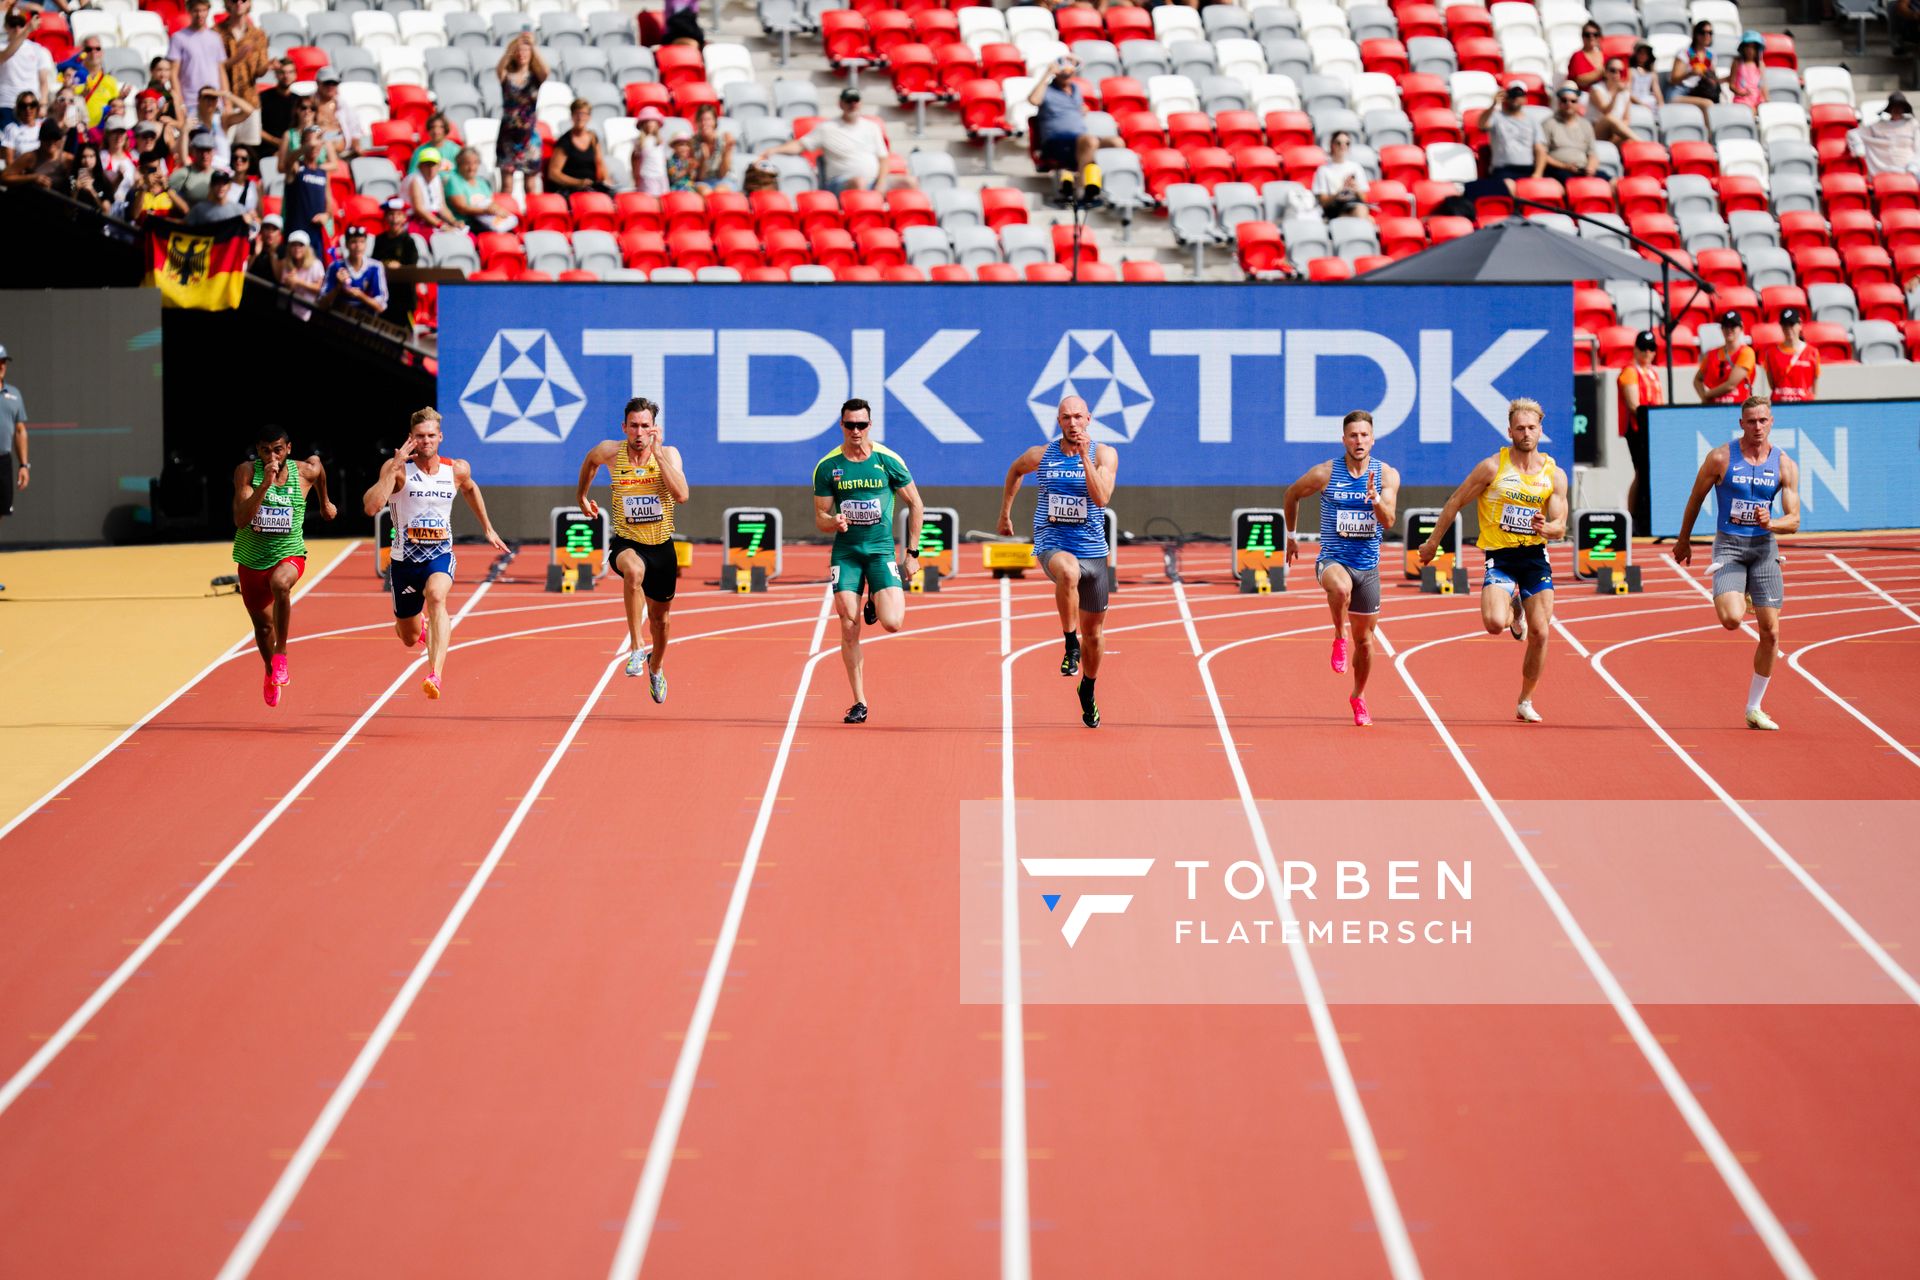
{"points": [[200, 268]]}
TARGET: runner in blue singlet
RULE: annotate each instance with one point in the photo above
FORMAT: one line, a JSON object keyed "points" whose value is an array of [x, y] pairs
{"points": [[1358, 493], [1746, 475], [1076, 478]]}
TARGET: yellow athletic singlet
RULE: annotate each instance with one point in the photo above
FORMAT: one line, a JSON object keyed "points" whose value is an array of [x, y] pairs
{"points": [[1508, 506], [642, 507]]}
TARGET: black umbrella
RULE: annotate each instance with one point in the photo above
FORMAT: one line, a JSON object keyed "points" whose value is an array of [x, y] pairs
{"points": [[1516, 251]]}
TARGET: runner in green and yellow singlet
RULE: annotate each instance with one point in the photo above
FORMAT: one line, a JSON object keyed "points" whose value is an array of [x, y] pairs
{"points": [[269, 507]]}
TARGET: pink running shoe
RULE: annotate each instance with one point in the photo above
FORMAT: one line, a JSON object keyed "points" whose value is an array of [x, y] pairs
{"points": [[270, 690], [1340, 656], [1360, 716], [279, 672], [431, 686], [422, 641]]}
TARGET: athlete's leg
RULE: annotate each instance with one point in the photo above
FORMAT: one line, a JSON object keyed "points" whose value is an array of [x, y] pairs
{"points": [[633, 572], [1496, 608], [1091, 644], [1731, 608], [263, 640], [408, 629], [285, 575], [1767, 622], [846, 606], [1363, 624], [890, 608], [657, 629], [1539, 609], [1338, 584], [1064, 569], [438, 627]]}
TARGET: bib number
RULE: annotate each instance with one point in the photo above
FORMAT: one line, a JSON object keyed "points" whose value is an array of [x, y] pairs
{"points": [[641, 508], [1747, 510], [860, 511], [273, 520], [1066, 508], [1354, 524], [1517, 519], [423, 532]]}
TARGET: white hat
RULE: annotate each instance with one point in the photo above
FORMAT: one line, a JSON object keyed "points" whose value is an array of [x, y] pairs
{"points": [[300, 237]]}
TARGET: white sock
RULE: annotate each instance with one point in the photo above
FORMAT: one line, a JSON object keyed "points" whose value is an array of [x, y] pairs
{"points": [[1756, 691]]}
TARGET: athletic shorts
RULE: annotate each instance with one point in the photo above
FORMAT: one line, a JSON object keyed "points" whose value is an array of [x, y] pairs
{"points": [[1748, 566], [408, 578], [1060, 149], [1522, 572], [1092, 584], [256, 585], [660, 566], [1366, 585], [855, 570]]}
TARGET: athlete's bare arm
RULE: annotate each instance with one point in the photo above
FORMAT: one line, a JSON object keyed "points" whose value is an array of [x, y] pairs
{"points": [[1102, 473], [597, 457], [247, 499], [1711, 473], [463, 481], [313, 473], [916, 512], [1551, 521], [1789, 521], [673, 473], [1023, 466], [1469, 491], [1315, 481], [1386, 500], [825, 518], [392, 472]]}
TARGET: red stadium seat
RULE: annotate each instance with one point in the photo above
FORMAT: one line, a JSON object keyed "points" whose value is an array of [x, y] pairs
{"points": [[692, 249], [307, 61], [1302, 163], [1063, 245], [1370, 262], [1779, 51], [1742, 300], [648, 95], [1143, 272], [1881, 301], [638, 212], [910, 209], [1388, 198], [1002, 206], [1429, 195], [1239, 129], [832, 247], [1844, 191], [1592, 309], [1776, 298], [950, 273], [857, 273], [1866, 263], [1830, 340], [1188, 130], [1835, 158], [1590, 195], [1002, 61], [681, 64], [1741, 194], [1616, 345], [683, 211], [1901, 228], [643, 249], [773, 210], [764, 275], [819, 210], [1077, 24], [501, 251], [579, 276], [785, 247], [997, 273], [1289, 129], [848, 39], [902, 273], [692, 95], [1097, 273], [1542, 191], [1465, 21], [729, 211], [1641, 195], [397, 138], [1420, 91], [1620, 47], [1407, 164], [1260, 248], [738, 248], [1802, 228], [1722, 268], [1906, 265], [1696, 158], [1329, 269], [1123, 95], [889, 29], [1142, 130], [912, 69], [1912, 328], [1436, 124], [1447, 227], [936, 27], [1488, 210], [1388, 57], [1420, 20], [362, 211], [1893, 191], [983, 108], [1479, 53], [1400, 237], [1656, 228], [534, 277], [411, 103], [1647, 160], [1047, 273], [1831, 120], [1126, 23], [957, 66], [1817, 264], [863, 210], [1162, 168], [1854, 227], [1211, 166]]}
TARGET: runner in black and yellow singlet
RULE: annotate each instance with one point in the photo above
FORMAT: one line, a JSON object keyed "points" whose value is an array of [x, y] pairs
{"points": [[269, 547], [1522, 497], [853, 491], [649, 482]]}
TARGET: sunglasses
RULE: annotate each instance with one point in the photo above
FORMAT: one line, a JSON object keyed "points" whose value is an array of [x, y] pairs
{"points": [[90, 48], [856, 426]]}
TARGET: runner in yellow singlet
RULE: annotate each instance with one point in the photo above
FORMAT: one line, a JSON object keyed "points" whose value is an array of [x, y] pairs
{"points": [[649, 482], [1522, 497]]}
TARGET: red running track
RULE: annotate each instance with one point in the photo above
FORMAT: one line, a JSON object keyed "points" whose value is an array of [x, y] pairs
{"points": [[694, 1003]]}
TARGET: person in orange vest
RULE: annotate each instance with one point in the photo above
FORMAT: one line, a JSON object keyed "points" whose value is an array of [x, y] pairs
{"points": [[1640, 385], [1793, 367], [1725, 375]]}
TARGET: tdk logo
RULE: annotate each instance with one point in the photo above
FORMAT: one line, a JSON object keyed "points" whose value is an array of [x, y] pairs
{"points": [[1094, 365], [522, 391], [1087, 905]]}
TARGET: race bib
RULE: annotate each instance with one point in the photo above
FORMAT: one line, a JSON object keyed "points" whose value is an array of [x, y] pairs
{"points": [[273, 520], [641, 508], [421, 531], [861, 511], [1354, 524], [1066, 508], [1747, 510], [1515, 518]]}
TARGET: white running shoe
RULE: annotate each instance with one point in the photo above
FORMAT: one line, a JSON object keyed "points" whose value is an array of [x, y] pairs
{"points": [[636, 662], [1526, 712], [1518, 624], [1758, 719]]}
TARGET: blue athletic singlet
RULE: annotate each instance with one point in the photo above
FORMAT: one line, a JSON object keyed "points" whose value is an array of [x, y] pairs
{"points": [[1745, 491], [1349, 533], [1066, 519]]}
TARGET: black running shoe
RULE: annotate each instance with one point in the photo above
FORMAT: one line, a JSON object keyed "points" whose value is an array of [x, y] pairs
{"points": [[1070, 660], [1089, 709], [856, 714], [871, 614]]}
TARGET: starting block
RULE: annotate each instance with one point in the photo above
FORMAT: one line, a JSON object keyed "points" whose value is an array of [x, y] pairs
{"points": [[753, 580], [928, 579], [568, 578], [1008, 559], [1263, 581], [1617, 582], [1434, 581]]}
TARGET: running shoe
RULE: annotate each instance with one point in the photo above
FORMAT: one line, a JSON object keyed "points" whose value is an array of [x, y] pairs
{"points": [[871, 614], [856, 714], [1070, 660], [1526, 712], [1758, 719], [636, 663], [1518, 623], [1340, 656], [279, 672], [1089, 709], [422, 641], [431, 686], [1360, 716], [270, 690], [657, 685]]}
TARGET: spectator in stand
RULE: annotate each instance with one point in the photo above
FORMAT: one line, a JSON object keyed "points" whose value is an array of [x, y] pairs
{"points": [[470, 195], [853, 148], [575, 163], [683, 25], [65, 110], [1643, 78], [246, 180], [216, 113], [199, 51], [1744, 82], [1903, 24], [650, 154], [22, 135], [1513, 142], [712, 150], [1060, 126], [13, 421], [1588, 63], [1640, 387], [161, 79], [1566, 149], [246, 54], [357, 284], [25, 64], [193, 181], [1725, 375], [1339, 184], [1890, 144], [151, 197], [439, 130], [522, 71], [306, 117], [301, 272], [117, 159], [221, 204], [86, 73], [427, 197], [681, 167], [276, 106], [148, 144], [91, 186], [347, 133], [307, 203], [267, 248], [1793, 367], [164, 136], [1609, 105], [1693, 79], [49, 166], [396, 248]]}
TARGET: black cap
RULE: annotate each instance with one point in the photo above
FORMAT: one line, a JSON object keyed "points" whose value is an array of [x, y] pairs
{"points": [[849, 94], [1898, 99], [1730, 320], [1645, 341], [1791, 316]]}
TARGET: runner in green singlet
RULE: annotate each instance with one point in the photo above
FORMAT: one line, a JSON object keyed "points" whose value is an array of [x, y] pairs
{"points": [[269, 508]]}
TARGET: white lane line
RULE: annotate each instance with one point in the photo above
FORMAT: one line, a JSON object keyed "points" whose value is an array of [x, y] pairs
{"points": [[1186, 620], [233, 650], [1865, 940], [1006, 620], [1759, 1214], [1016, 1231], [1402, 1262], [1874, 587], [1793, 660], [77, 1021]]}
